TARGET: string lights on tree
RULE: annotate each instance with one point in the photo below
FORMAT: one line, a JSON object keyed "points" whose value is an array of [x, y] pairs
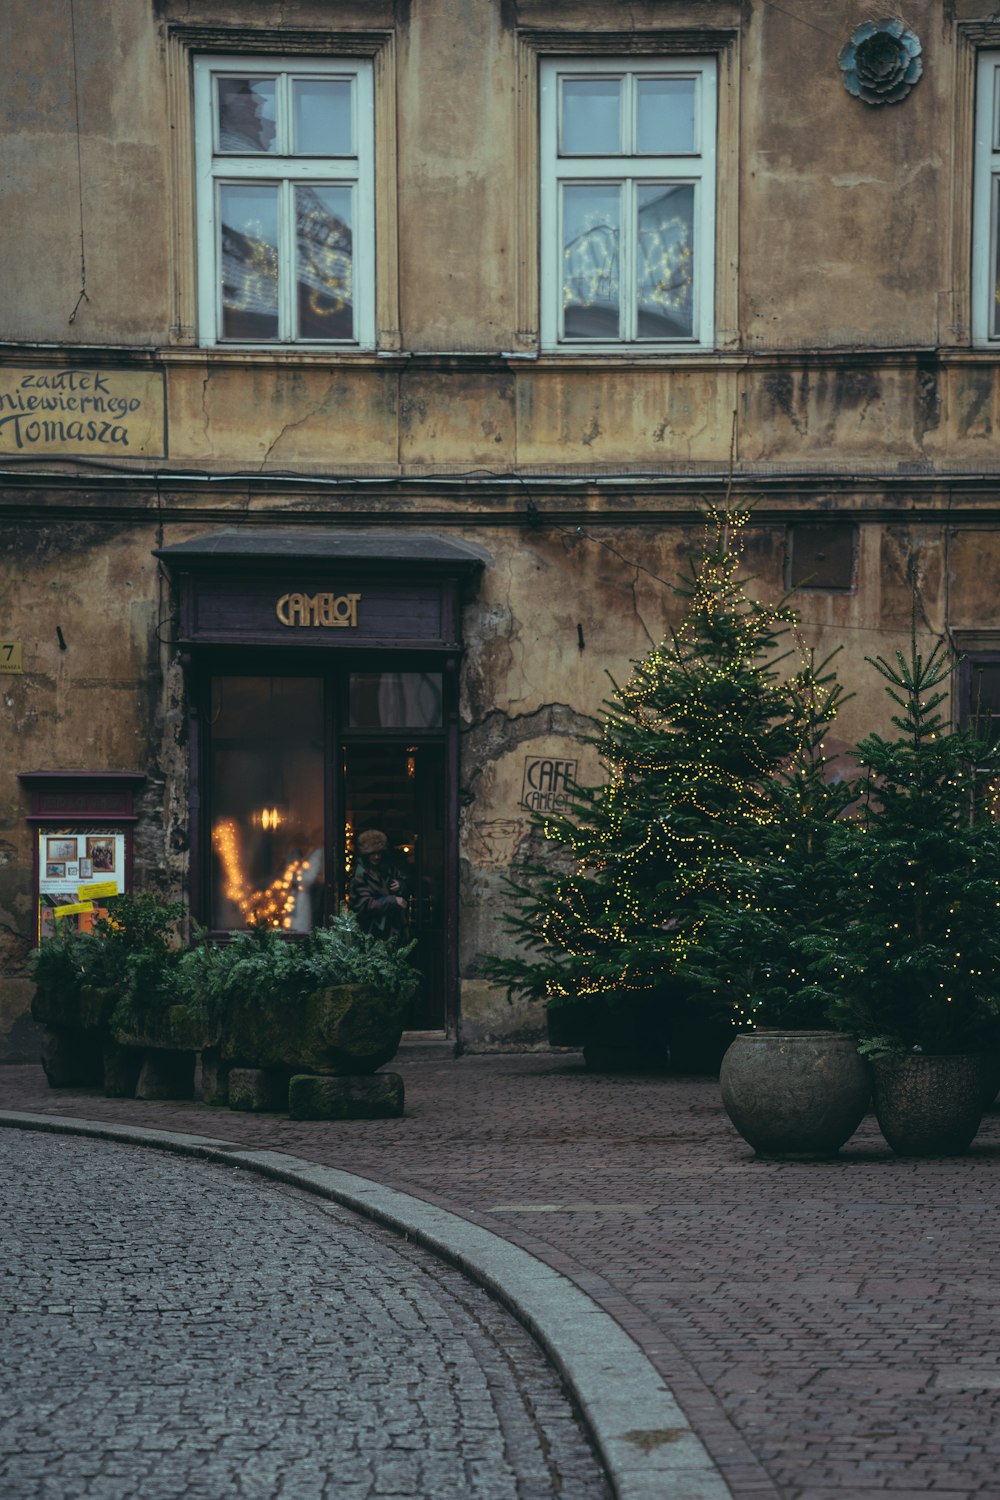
{"points": [[691, 743]]}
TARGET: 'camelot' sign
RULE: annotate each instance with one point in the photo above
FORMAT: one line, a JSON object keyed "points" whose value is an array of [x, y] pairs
{"points": [[318, 609]]}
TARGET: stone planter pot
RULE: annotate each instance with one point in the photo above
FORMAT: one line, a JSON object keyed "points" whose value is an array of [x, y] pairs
{"points": [[174, 1029], [346, 1029], [929, 1105], [74, 1033], [154, 1057], [795, 1095]]}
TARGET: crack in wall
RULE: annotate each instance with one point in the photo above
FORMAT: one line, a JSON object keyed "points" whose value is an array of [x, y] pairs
{"points": [[498, 733]]}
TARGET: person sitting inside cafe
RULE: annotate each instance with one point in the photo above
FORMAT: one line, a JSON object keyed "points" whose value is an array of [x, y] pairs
{"points": [[378, 893]]}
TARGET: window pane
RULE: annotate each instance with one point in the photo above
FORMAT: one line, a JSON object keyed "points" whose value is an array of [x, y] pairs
{"points": [[665, 261], [591, 225], [246, 114], [995, 320], [591, 116], [395, 700], [323, 116], [324, 262], [266, 797], [984, 701], [249, 226], [665, 123]]}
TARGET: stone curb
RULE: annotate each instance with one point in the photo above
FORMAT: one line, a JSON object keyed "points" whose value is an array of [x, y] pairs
{"points": [[635, 1423]]}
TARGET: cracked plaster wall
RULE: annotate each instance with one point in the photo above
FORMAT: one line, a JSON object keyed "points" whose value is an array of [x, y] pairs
{"points": [[101, 703], [114, 699]]}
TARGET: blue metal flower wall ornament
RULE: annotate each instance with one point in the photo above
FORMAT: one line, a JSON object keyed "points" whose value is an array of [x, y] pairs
{"points": [[881, 62]]}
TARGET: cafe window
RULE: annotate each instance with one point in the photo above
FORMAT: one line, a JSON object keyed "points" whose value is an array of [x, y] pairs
{"points": [[266, 775], [285, 201]]}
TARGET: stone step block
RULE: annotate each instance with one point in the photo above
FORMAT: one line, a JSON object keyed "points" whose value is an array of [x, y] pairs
{"points": [[379, 1096]]}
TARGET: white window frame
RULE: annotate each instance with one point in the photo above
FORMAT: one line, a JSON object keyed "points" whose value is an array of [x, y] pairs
{"points": [[213, 169], [986, 192], [697, 168]]}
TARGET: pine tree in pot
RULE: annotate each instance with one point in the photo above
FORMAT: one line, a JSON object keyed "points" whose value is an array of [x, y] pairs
{"points": [[915, 961], [605, 917], [792, 1086]]}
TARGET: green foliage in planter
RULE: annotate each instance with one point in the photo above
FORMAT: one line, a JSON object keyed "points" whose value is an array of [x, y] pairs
{"points": [[619, 898], [129, 950], [754, 964], [262, 968], [914, 960]]}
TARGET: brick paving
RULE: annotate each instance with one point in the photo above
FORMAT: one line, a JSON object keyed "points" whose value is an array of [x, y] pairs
{"points": [[830, 1329]]}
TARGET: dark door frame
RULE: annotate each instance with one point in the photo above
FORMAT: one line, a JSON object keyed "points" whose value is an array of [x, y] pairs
{"points": [[205, 663], [233, 590]]}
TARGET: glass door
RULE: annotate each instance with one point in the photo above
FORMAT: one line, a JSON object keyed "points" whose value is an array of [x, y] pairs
{"points": [[396, 788]]}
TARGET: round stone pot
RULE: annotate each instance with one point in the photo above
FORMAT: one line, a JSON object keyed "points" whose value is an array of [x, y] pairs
{"points": [[929, 1105], [795, 1095]]}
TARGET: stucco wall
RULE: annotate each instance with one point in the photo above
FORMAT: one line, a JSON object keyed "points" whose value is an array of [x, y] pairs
{"points": [[842, 383]]}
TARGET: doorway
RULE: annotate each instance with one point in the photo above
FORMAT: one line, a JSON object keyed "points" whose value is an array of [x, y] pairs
{"points": [[398, 788]]}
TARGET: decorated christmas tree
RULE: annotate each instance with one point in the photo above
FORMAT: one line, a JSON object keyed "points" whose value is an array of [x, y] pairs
{"points": [[914, 960], [754, 962], [692, 746]]}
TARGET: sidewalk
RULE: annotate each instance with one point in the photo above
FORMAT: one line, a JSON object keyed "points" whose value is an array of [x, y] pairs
{"points": [[830, 1330]]}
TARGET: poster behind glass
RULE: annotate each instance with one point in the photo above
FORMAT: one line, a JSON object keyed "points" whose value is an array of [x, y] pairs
{"points": [[78, 869]]}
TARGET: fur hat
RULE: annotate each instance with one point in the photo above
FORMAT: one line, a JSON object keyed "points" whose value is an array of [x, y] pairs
{"points": [[371, 841]]}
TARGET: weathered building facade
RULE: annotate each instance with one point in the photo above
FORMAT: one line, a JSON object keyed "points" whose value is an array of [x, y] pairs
{"points": [[364, 368]]}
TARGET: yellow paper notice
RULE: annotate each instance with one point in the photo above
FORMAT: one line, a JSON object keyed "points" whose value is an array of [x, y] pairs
{"points": [[68, 911], [98, 889]]}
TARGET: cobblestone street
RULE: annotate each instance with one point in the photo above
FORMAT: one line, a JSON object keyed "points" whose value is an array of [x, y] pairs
{"points": [[831, 1330], [176, 1329]]}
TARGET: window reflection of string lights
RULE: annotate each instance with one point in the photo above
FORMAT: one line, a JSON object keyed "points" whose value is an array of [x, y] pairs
{"points": [[326, 256], [271, 907], [664, 259], [250, 264], [268, 818]]}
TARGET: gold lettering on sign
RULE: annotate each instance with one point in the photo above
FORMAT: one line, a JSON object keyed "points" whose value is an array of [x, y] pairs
{"points": [[318, 609]]}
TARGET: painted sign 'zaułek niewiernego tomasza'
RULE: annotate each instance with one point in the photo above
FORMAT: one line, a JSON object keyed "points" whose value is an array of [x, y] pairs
{"points": [[70, 413]]}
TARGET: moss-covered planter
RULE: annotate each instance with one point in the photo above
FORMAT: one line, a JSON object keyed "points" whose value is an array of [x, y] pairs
{"points": [[81, 1008], [173, 1029], [345, 1029], [75, 1033]]}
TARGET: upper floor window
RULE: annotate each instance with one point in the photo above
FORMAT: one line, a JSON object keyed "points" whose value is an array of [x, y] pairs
{"points": [[285, 201], [986, 211], [627, 202]]}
